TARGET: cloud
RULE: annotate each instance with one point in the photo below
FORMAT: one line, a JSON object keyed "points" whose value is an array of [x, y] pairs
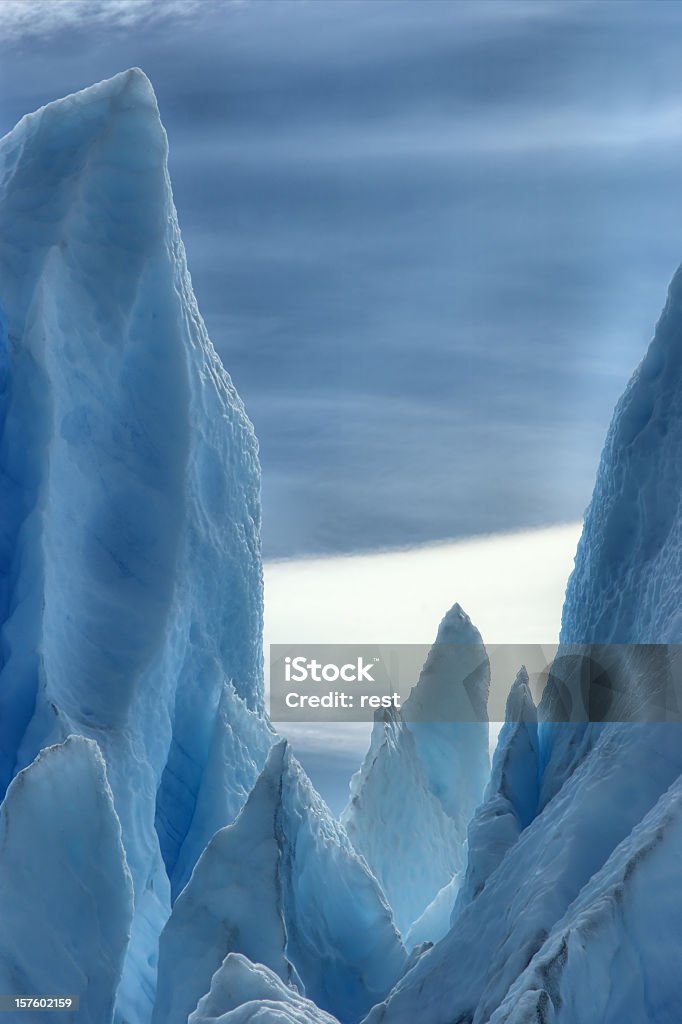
{"points": [[32, 18]]}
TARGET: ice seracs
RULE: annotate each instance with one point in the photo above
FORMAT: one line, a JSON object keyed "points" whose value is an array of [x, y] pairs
{"points": [[422, 777], [469, 972], [233, 903], [137, 766], [508, 806], [282, 886]]}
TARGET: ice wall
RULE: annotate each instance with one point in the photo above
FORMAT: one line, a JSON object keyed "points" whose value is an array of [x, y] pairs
{"points": [[130, 574]]}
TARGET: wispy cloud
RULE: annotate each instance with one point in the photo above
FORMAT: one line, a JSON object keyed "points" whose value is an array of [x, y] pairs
{"points": [[31, 18]]}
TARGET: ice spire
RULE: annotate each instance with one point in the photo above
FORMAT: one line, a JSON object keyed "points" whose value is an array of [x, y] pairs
{"points": [[129, 543]]}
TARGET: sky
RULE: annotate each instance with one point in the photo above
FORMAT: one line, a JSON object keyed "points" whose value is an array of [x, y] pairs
{"points": [[430, 240]]}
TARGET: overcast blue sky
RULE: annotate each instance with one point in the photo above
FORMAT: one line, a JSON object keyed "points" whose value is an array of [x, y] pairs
{"points": [[430, 240]]}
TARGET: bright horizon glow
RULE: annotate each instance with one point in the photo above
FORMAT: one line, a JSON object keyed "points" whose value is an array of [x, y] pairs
{"points": [[511, 585]]}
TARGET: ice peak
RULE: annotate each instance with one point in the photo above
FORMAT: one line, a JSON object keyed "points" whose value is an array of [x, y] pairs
{"points": [[127, 92], [454, 682], [133, 80], [457, 628], [278, 759], [85, 179], [520, 703]]}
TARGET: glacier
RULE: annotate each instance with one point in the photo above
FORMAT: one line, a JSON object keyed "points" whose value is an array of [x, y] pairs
{"points": [[283, 887], [422, 777], [162, 853]]}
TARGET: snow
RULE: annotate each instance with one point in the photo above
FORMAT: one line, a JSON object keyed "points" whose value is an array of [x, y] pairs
{"points": [[422, 777], [282, 886], [130, 567], [66, 901], [246, 993]]}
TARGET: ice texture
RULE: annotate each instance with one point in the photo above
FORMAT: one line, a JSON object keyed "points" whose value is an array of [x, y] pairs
{"points": [[434, 922], [566, 925], [468, 973], [284, 887], [447, 715], [130, 571], [625, 587], [66, 896], [233, 903], [422, 777], [614, 955], [511, 795], [136, 762], [246, 993], [398, 825]]}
